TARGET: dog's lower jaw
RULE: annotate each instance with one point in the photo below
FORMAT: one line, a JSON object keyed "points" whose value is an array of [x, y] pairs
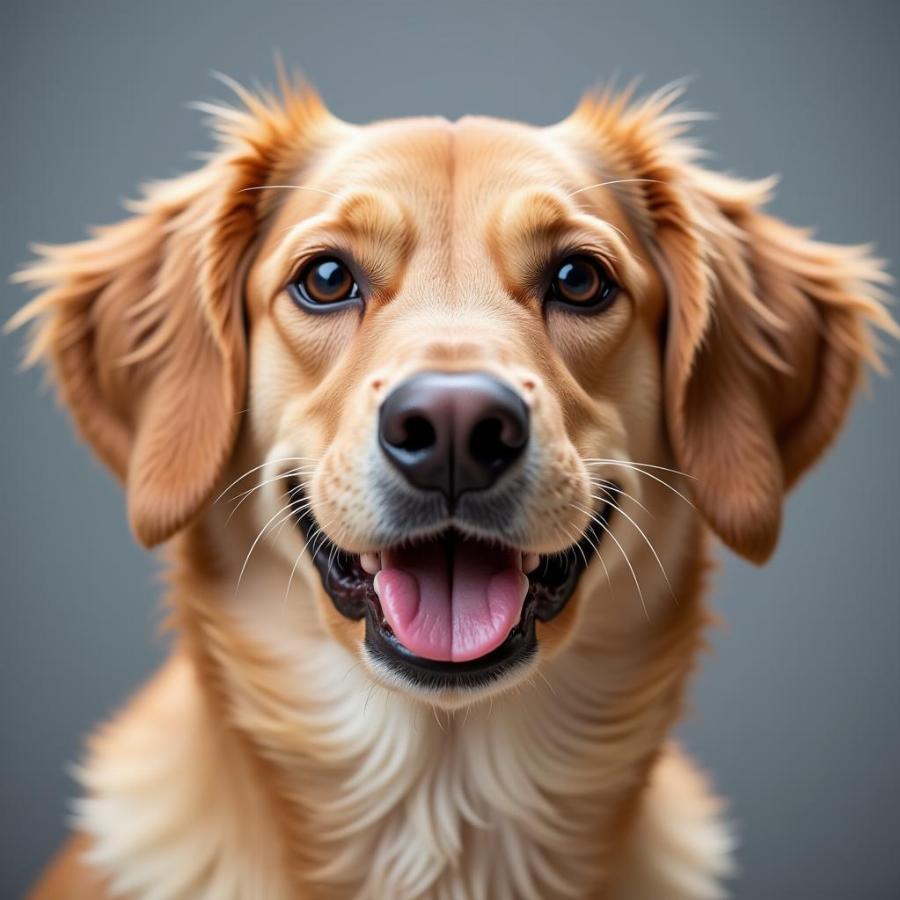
{"points": [[313, 783]]}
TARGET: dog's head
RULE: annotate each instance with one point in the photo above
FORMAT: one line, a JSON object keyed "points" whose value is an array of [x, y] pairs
{"points": [[453, 353]]}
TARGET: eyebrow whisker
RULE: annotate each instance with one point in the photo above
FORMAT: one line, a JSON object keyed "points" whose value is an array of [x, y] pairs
{"points": [[614, 181], [614, 228], [290, 187]]}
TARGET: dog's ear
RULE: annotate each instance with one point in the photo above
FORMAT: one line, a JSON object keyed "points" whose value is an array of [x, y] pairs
{"points": [[143, 323], [766, 335], [142, 327], [766, 329]]}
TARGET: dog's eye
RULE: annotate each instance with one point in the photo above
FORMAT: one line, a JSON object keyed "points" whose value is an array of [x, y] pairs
{"points": [[325, 281], [583, 282]]}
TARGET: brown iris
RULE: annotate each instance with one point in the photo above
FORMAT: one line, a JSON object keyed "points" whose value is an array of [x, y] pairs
{"points": [[325, 281], [582, 281]]}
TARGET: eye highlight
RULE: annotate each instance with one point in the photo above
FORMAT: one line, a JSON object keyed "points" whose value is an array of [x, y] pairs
{"points": [[324, 283], [582, 282]]}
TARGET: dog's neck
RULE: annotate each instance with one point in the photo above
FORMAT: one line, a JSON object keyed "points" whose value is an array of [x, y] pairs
{"points": [[369, 792]]}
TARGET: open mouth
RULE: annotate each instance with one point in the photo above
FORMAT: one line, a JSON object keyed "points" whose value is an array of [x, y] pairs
{"points": [[450, 610]]}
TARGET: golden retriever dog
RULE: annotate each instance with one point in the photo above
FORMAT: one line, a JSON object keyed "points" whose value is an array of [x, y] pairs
{"points": [[435, 420]]}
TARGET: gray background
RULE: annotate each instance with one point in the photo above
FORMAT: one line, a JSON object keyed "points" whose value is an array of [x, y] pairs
{"points": [[796, 709]]}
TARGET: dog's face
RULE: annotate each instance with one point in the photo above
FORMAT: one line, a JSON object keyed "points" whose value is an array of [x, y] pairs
{"points": [[450, 332], [443, 347]]}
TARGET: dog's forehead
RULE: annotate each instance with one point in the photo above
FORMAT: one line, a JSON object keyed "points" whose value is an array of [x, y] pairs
{"points": [[436, 166]]}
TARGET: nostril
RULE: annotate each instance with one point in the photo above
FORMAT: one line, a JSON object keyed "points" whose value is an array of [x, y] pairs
{"points": [[418, 435], [494, 442], [486, 443]]}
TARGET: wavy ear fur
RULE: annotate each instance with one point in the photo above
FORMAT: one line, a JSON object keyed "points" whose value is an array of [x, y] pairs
{"points": [[142, 324], [767, 329]]}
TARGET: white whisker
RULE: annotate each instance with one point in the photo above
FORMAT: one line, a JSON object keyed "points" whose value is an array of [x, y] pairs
{"points": [[287, 511], [312, 535], [596, 460], [368, 698], [577, 545], [598, 521], [590, 187], [256, 540], [298, 508], [633, 467], [649, 544], [596, 548], [290, 187], [241, 498], [546, 681], [611, 486], [262, 466], [335, 548], [299, 470]]}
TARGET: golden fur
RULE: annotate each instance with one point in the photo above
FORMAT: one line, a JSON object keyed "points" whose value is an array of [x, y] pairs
{"points": [[269, 758]]}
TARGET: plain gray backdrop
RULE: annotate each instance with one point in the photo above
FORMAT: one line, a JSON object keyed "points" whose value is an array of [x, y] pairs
{"points": [[795, 711]]}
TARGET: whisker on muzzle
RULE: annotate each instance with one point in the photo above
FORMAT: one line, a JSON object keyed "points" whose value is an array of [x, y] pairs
{"points": [[610, 498], [317, 530], [262, 465], [242, 497], [597, 520], [599, 555], [288, 510], [634, 467], [605, 485]]}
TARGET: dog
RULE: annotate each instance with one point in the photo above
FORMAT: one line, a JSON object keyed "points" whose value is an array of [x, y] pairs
{"points": [[436, 420]]}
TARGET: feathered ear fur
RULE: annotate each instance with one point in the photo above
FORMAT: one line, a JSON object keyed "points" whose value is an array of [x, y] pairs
{"points": [[142, 324], [767, 329]]}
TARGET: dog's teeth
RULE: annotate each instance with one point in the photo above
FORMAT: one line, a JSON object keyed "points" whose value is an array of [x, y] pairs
{"points": [[370, 562], [376, 586], [524, 586], [530, 562]]}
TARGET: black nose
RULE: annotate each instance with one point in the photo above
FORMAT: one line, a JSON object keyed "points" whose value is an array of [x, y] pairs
{"points": [[453, 432]]}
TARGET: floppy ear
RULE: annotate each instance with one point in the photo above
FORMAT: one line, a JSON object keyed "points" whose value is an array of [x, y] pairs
{"points": [[142, 327], [143, 323], [767, 333], [766, 329]]}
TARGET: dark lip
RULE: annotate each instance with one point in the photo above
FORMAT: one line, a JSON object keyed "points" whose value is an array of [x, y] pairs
{"points": [[351, 591], [435, 675]]}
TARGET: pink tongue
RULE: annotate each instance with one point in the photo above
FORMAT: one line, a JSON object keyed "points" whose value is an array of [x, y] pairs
{"points": [[451, 615]]}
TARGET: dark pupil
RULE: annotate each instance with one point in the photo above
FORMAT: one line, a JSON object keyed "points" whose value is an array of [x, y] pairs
{"points": [[578, 280], [329, 280]]}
